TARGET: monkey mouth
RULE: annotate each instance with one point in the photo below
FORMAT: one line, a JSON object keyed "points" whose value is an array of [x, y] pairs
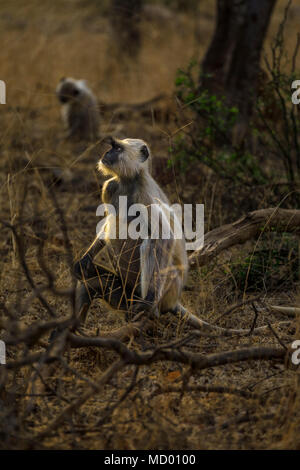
{"points": [[64, 99], [105, 161]]}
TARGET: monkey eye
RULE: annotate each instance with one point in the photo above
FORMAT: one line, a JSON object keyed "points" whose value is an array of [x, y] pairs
{"points": [[75, 92], [118, 148]]}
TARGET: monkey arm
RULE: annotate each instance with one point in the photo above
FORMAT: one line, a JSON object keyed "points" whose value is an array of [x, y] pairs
{"points": [[156, 268], [76, 121], [158, 271], [85, 268], [97, 245]]}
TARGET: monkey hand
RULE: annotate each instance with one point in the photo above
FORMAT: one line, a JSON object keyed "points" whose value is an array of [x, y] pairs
{"points": [[140, 308], [85, 268]]}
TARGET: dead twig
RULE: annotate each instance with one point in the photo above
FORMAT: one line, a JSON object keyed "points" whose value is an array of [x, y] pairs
{"points": [[238, 305], [277, 337], [254, 320]]}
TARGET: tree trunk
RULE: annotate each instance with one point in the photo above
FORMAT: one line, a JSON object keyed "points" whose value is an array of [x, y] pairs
{"points": [[125, 17], [231, 64], [249, 226], [216, 63]]}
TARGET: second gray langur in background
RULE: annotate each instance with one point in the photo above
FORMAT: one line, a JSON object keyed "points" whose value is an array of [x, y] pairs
{"points": [[80, 110]]}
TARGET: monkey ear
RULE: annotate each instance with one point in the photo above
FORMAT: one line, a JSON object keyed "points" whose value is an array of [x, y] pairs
{"points": [[82, 83], [144, 153]]}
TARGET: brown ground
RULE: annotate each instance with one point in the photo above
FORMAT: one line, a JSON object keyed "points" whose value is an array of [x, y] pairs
{"points": [[40, 42]]}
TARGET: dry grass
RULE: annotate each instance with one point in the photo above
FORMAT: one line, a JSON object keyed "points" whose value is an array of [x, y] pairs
{"points": [[42, 41]]}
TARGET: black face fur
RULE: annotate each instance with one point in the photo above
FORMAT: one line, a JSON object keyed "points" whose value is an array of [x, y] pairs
{"points": [[67, 92], [111, 156], [125, 160]]}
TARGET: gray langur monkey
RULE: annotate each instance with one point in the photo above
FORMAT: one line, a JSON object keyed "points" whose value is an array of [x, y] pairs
{"points": [[147, 273], [80, 110]]}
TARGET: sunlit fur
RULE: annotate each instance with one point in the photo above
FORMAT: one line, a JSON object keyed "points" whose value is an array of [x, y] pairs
{"points": [[80, 111]]}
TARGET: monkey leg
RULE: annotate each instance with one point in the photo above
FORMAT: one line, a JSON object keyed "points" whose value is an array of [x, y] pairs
{"points": [[106, 286], [98, 282], [147, 305], [83, 301]]}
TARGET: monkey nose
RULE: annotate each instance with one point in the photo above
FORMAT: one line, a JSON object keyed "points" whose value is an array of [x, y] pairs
{"points": [[63, 99], [110, 157]]}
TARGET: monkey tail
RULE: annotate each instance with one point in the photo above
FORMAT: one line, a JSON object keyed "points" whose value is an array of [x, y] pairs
{"points": [[199, 324], [194, 321]]}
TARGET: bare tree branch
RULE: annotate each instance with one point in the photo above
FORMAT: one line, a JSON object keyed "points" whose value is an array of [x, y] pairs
{"points": [[198, 361]]}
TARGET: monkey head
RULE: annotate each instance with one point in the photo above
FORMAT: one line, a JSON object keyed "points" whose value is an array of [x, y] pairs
{"points": [[126, 158], [70, 89]]}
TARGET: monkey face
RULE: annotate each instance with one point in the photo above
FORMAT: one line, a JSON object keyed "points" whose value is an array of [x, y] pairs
{"points": [[67, 91], [126, 158], [111, 157]]}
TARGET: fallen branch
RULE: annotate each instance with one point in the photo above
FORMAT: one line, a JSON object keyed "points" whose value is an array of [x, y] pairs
{"points": [[246, 228], [198, 361], [293, 311]]}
